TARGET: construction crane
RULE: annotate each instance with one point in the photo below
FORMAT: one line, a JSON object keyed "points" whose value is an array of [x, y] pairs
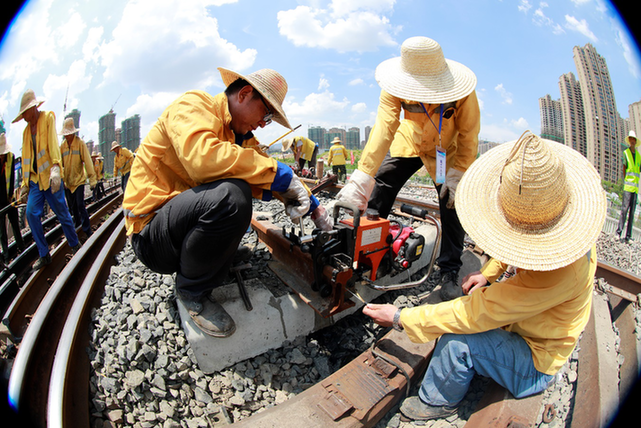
{"points": [[115, 102]]}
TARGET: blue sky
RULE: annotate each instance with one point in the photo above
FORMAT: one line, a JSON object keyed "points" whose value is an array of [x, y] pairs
{"points": [[140, 55]]}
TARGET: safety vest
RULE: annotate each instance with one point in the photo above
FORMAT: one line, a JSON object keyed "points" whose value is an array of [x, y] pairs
{"points": [[46, 154], [632, 171]]}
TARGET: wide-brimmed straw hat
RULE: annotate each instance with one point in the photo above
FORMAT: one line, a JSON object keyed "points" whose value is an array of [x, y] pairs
{"points": [[114, 145], [632, 134], [4, 147], [68, 127], [287, 143], [28, 100], [336, 140], [533, 203], [269, 83], [423, 74]]}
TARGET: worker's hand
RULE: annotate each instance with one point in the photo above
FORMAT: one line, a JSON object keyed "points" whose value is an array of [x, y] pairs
{"points": [[449, 187], [24, 194], [382, 315], [321, 219], [296, 199], [54, 178], [357, 190], [473, 281]]}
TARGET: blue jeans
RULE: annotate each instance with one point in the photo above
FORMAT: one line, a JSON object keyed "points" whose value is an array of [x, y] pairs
{"points": [[35, 206], [498, 354]]}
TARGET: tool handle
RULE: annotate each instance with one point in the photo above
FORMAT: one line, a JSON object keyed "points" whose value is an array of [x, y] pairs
{"points": [[417, 212]]}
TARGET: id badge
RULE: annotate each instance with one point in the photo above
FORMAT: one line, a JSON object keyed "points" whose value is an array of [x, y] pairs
{"points": [[441, 159]]}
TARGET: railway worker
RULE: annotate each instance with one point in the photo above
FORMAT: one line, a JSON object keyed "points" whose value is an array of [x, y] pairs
{"points": [[304, 149], [439, 130], [41, 175], [7, 182], [76, 168], [539, 206], [336, 158], [631, 173], [123, 161], [99, 169], [189, 200]]}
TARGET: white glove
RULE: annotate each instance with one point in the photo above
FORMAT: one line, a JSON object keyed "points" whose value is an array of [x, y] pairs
{"points": [[296, 199], [321, 219], [24, 194], [54, 178], [357, 190], [451, 181]]}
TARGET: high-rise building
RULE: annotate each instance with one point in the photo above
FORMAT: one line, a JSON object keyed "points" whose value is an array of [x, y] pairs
{"points": [[368, 129], [130, 132], [572, 112], [551, 119], [601, 116], [634, 112], [353, 138], [317, 135], [107, 135]]}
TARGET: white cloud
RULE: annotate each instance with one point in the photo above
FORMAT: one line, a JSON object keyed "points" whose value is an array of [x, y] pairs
{"points": [[351, 28], [580, 26], [323, 83], [505, 95], [357, 81], [524, 6], [68, 34], [629, 53], [543, 20], [150, 107], [359, 108]]}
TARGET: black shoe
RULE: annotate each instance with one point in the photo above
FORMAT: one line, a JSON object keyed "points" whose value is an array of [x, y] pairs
{"points": [[75, 249], [42, 262], [417, 410], [242, 255], [209, 316], [450, 289]]}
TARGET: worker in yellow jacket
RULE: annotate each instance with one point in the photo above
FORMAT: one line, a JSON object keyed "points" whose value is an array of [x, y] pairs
{"points": [[123, 160], [337, 158], [536, 205], [304, 149], [439, 130], [77, 167], [99, 169], [189, 199], [42, 175], [7, 184]]}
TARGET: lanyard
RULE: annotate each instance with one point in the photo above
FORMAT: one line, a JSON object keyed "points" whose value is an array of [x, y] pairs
{"points": [[440, 122]]}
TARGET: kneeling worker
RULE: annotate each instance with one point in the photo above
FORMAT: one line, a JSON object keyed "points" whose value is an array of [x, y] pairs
{"points": [[539, 206], [188, 202]]}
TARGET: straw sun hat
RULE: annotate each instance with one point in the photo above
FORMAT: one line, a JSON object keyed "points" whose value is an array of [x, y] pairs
{"points": [[269, 83], [336, 140], [114, 145], [28, 100], [632, 134], [423, 74], [287, 143], [534, 203], [68, 127], [4, 147]]}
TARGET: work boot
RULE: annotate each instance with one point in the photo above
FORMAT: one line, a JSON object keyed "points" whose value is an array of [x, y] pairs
{"points": [[435, 277], [42, 262], [209, 316], [417, 410], [450, 289], [75, 249], [242, 255]]}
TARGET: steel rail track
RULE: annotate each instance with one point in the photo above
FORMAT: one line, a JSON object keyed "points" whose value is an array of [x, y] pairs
{"points": [[357, 395]]}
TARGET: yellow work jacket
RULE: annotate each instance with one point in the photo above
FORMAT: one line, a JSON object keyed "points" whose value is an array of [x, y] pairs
{"points": [[76, 164], [9, 178], [97, 167], [189, 145], [123, 161], [337, 155], [548, 309], [47, 151], [632, 170], [417, 135], [306, 148]]}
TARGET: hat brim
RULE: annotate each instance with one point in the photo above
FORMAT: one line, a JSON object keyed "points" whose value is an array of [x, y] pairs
{"points": [[452, 85], [572, 236], [69, 131], [287, 143], [35, 103], [230, 77]]}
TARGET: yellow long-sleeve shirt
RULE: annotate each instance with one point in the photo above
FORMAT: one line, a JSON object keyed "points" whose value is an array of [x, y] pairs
{"points": [[337, 155], [417, 135], [47, 151], [76, 164], [549, 309], [123, 161]]}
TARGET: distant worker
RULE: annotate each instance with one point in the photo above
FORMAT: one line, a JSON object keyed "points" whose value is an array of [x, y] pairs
{"points": [[631, 173], [304, 149], [122, 163], [7, 182], [76, 168], [41, 175], [189, 200], [99, 169], [439, 130], [336, 158], [537, 205]]}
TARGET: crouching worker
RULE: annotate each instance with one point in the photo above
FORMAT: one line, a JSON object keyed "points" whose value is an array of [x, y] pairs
{"points": [[188, 202], [536, 205]]}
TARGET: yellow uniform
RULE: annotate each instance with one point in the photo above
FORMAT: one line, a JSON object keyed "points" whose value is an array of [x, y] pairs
{"points": [[47, 152], [76, 162], [337, 155], [123, 161]]}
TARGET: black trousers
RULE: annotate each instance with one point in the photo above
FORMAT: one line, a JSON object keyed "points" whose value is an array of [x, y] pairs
{"points": [[628, 207], [340, 171], [12, 213], [390, 178], [196, 235], [311, 163], [76, 202]]}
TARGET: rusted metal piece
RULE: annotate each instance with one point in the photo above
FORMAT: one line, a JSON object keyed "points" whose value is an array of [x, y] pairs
{"points": [[627, 283], [499, 409]]}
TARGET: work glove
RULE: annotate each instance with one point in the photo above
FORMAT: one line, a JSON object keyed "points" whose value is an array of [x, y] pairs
{"points": [[296, 199], [448, 188], [54, 178], [24, 194], [321, 219], [357, 190]]}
